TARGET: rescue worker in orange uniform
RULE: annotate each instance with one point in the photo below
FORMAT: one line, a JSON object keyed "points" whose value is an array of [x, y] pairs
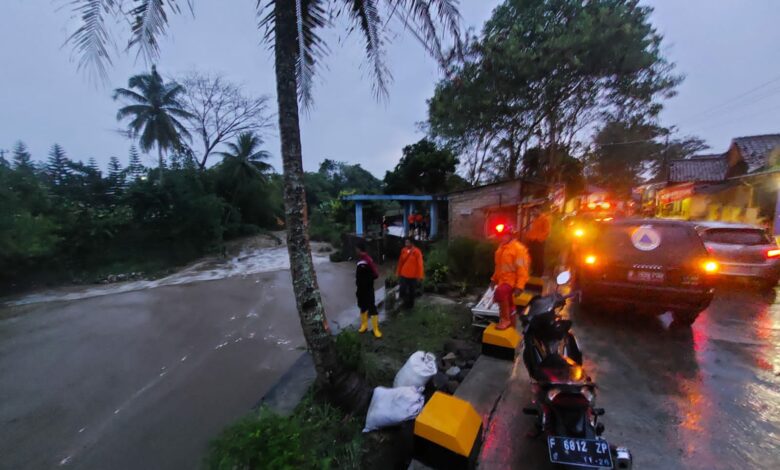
{"points": [[410, 271], [536, 238], [509, 277]]}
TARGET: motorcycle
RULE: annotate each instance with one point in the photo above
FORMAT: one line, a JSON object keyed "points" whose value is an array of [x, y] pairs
{"points": [[564, 395]]}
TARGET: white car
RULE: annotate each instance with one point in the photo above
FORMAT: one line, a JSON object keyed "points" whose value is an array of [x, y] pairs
{"points": [[742, 250]]}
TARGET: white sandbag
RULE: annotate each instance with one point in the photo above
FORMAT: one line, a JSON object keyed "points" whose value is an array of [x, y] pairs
{"points": [[392, 406], [417, 371]]}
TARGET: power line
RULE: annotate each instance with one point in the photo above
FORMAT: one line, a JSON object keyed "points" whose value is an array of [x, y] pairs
{"points": [[738, 118], [735, 98]]}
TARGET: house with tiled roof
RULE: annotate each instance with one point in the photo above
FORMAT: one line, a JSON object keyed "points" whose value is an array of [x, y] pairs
{"points": [[739, 185], [756, 152], [699, 168]]}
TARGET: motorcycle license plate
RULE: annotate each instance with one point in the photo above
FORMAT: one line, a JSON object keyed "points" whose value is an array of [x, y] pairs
{"points": [[591, 453], [646, 276]]}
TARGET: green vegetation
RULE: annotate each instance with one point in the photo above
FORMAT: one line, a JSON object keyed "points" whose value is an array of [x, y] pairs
{"points": [[65, 220], [315, 436], [329, 215], [463, 262], [424, 168]]}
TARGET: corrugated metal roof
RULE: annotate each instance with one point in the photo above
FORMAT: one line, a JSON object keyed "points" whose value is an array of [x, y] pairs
{"points": [[755, 149], [698, 169]]}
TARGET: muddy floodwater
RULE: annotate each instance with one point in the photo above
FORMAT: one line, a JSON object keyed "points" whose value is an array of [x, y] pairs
{"points": [[707, 397], [142, 375]]}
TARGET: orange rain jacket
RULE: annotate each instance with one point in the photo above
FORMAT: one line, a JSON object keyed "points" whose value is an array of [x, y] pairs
{"points": [[540, 228], [410, 263], [512, 262]]}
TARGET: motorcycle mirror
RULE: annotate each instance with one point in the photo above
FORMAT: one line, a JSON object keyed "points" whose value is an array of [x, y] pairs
{"points": [[563, 278]]}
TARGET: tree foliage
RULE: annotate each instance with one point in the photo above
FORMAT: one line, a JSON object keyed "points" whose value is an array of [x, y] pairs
{"points": [[540, 73], [423, 169], [627, 153], [154, 113], [65, 219]]}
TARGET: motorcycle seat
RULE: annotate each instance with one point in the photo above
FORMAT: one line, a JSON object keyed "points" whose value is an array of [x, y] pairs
{"points": [[557, 369]]}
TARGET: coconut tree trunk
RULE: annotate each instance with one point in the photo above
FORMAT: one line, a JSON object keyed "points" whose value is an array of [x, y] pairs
{"points": [[346, 389], [160, 162]]}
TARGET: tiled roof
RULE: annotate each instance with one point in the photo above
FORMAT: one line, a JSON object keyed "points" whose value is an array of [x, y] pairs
{"points": [[698, 169], [755, 149], [706, 155]]}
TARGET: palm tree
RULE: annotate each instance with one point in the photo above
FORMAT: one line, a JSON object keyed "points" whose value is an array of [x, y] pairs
{"points": [[294, 27], [244, 162], [153, 113]]}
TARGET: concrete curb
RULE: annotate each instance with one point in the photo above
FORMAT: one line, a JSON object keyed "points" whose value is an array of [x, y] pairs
{"points": [[291, 387]]}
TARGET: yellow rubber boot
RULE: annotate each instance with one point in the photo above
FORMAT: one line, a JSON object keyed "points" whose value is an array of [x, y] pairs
{"points": [[375, 323], [363, 322]]}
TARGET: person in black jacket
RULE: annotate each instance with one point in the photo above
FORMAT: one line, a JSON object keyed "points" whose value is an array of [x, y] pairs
{"points": [[365, 274]]}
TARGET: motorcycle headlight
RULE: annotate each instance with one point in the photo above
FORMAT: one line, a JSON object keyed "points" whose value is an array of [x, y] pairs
{"points": [[552, 393]]}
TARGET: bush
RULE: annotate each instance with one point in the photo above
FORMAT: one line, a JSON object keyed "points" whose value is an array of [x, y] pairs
{"points": [[471, 261], [461, 258], [349, 349], [437, 266]]}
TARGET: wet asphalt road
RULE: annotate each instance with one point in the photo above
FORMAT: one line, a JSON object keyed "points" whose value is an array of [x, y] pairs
{"points": [[707, 397], [144, 379]]}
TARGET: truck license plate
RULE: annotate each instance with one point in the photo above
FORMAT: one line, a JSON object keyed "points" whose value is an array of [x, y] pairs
{"points": [[591, 453]]}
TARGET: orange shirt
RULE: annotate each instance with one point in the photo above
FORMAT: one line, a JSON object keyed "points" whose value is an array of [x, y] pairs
{"points": [[410, 263], [540, 228], [511, 265]]}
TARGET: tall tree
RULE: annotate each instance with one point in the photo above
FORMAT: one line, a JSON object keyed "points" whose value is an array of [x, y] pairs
{"points": [[22, 159], [294, 27], [244, 161], [116, 176], [221, 111], [423, 168], [154, 113], [544, 71], [58, 167], [135, 169]]}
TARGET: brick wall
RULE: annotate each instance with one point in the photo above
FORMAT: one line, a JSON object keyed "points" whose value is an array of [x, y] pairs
{"points": [[468, 209]]}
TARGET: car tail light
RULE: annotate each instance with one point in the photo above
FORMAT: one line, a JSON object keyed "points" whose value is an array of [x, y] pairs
{"points": [[773, 253], [710, 267]]}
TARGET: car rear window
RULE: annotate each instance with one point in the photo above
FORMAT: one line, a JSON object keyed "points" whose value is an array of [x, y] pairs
{"points": [[667, 244], [733, 236]]}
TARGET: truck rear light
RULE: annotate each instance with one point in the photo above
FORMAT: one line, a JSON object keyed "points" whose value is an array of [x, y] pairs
{"points": [[773, 253]]}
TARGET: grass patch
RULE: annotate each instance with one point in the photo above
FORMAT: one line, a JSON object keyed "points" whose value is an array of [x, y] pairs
{"points": [[425, 328], [315, 436]]}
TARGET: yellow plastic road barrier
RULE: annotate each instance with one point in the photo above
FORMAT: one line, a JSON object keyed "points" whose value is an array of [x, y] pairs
{"points": [[523, 298], [501, 344], [447, 433], [535, 284]]}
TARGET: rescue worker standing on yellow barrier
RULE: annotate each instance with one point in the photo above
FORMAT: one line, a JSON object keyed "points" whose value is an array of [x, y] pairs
{"points": [[510, 275]]}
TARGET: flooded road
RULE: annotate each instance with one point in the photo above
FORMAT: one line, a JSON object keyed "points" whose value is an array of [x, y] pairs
{"points": [[142, 377], [702, 398]]}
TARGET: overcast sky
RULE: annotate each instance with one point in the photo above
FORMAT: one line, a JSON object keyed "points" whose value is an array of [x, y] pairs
{"points": [[727, 49]]}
